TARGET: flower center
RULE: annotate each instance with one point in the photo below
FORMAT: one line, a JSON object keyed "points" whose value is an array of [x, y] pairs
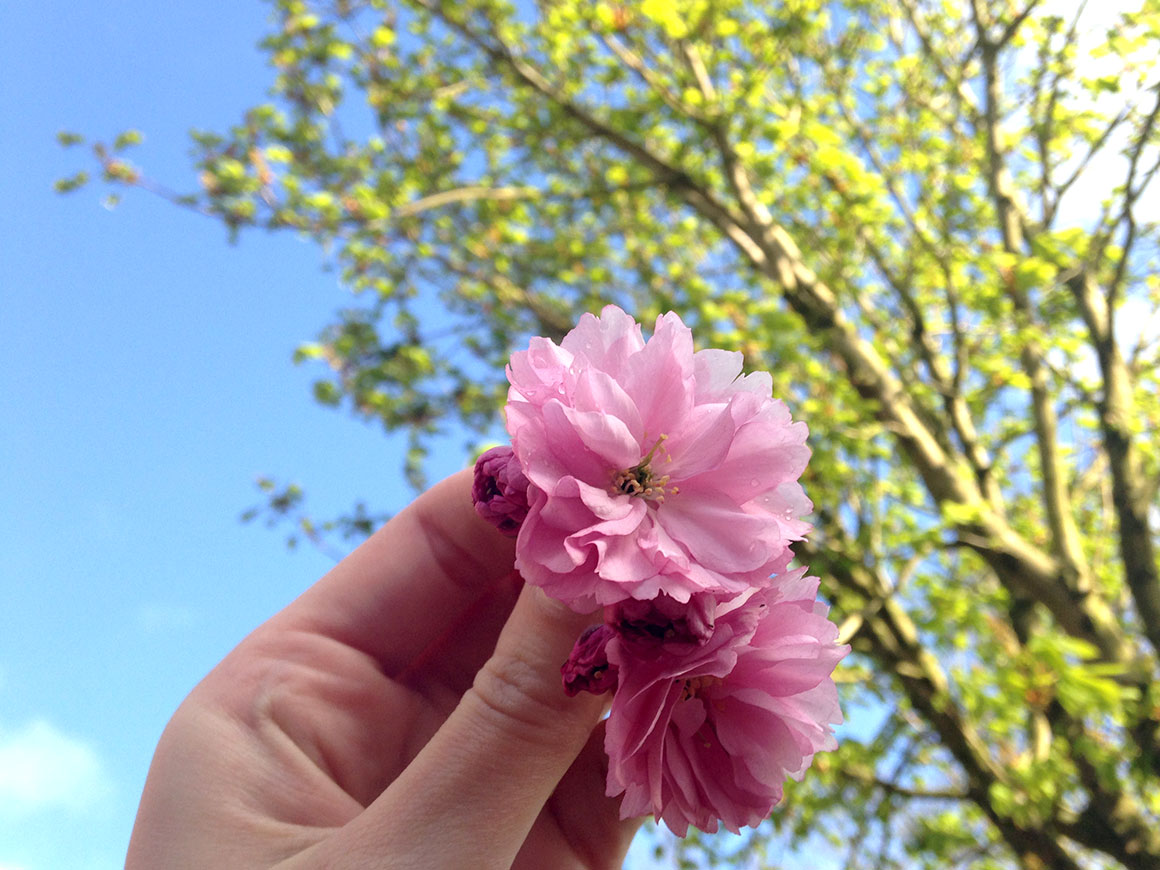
{"points": [[641, 481], [695, 685]]}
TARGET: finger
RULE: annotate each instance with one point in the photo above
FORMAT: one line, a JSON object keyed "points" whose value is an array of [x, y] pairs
{"points": [[436, 574], [587, 821], [469, 798]]}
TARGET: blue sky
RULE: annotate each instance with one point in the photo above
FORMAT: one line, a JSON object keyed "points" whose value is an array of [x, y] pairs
{"points": [[145, 381]]}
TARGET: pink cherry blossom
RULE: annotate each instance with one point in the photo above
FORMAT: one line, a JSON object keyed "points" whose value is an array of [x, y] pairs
{"points": [[710, 732], [661, 484], [652, 469]]}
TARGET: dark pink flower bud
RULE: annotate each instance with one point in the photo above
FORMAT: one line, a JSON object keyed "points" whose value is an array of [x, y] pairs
{"points": [[587, 668], [664, 619], [500, 491]]}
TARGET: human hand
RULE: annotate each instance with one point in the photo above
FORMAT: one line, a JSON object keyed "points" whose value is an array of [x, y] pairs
{"points": [[377, 722]]}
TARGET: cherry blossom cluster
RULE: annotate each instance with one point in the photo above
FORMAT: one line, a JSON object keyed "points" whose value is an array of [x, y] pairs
{"points": [[659, 487]]}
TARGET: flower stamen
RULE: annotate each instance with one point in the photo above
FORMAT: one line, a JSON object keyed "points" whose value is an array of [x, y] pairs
{"points": [[695, 685], [639, 481]]}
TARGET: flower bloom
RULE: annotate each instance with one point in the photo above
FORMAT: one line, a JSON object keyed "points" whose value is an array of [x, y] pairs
{"points": [[652, 469], [500, 490], [660, 484], [710, 733]]}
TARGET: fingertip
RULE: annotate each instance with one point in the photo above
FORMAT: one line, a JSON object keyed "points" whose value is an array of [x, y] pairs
{"points": [[521, 684]]}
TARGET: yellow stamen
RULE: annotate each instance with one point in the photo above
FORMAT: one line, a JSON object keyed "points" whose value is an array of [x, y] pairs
{"points": [[639, 481], [695, 685]]}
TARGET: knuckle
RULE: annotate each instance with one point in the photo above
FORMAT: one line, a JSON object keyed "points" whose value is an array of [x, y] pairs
{"points": [[517, 697]]}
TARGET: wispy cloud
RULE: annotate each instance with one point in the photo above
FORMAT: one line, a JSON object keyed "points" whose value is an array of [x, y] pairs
{"points": [[41, 767]]}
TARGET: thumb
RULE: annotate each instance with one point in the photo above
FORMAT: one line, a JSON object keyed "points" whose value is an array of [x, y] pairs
{"points": [[470, 796]]}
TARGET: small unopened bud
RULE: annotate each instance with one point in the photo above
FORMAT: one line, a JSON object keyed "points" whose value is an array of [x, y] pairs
{"points": [[588, 668], [500, 490], [664, 619]]}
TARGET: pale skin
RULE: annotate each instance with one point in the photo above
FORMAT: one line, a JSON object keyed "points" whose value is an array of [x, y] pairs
{"points": [[405, 712]]}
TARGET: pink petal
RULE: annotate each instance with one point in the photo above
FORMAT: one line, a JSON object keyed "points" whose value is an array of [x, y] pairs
{"points": [[598, 391], [714, 531], [660, 377], [606, 437], [702, 442], [537, 374], [605, 342], [714, 372]]}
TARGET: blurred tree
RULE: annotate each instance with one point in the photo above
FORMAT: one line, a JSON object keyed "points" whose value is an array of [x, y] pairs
{"points": [[930, 220]]}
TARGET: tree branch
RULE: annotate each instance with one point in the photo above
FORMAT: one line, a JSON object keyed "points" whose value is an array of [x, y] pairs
{"points": [[894, 642], [468, 193], [636, 63], [1116, 408], [964, 93], [863, 774], [1010, 212], [1132, 193]]}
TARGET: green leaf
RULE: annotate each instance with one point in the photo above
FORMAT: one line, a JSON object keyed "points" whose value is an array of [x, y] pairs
{"points": [[667, 15], [127, 139], [71, 183]]}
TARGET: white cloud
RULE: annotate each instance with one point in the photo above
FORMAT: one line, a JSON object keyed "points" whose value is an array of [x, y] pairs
{"points": [[41, 767]]}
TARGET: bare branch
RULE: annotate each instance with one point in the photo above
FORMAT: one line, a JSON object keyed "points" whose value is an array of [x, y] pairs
{"points": [[936, 57], [1132, 193], [944, 382], [636, 63], [1085, 161], [1116, 407], [861, 773], [1011, 216], [468, 193], [1045, 129], [1014, 24]]}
